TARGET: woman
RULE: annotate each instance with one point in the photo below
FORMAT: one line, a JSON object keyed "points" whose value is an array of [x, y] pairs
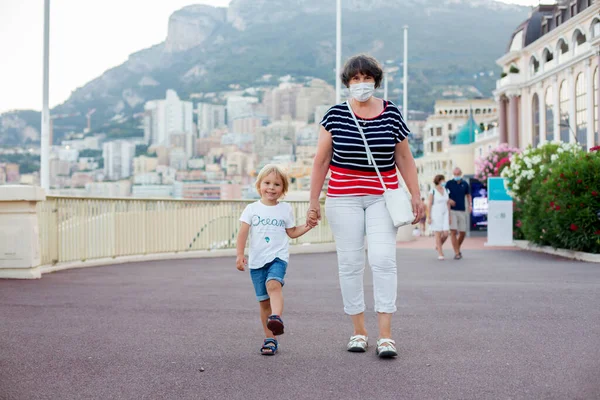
{"points": [[439, 213], [355, 205]]}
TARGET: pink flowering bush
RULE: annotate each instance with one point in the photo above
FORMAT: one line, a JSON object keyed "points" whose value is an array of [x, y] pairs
{"points": [[495, 162]]}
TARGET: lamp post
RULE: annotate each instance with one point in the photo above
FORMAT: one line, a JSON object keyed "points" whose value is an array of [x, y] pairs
{"points": [[405, 97], [387, 71], [45, 137], [567, 124], [338, 51]]}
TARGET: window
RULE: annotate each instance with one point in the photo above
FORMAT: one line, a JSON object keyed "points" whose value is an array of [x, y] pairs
{"points": [[573, 10], [439, 147], [549, 102], [595, 28], [450, 127], [517, 42], [534, 65], [564, 111], [578, 40], [561, 48], [557, 20], [581, 110], [548, 55], [438, 131], [535, 111]]}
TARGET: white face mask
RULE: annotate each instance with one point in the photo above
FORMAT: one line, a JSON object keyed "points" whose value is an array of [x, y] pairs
{"points": [[362, 91]]}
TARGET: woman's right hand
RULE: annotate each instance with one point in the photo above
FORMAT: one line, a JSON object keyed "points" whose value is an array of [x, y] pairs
{"points": [[429, 221], [313, 216]]}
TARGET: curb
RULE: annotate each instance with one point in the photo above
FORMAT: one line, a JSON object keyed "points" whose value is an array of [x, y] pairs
{"points": [[570, 254], [37, 272]]}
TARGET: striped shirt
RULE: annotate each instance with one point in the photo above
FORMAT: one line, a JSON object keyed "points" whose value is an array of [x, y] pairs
{"points": [[351, 174]]}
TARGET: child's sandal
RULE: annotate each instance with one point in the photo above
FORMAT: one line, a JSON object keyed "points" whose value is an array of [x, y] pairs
{"points": [[275, 325], [269, 347]]}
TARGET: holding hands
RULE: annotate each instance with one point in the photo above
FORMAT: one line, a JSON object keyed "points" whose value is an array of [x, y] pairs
{"points": [[313, 215]]}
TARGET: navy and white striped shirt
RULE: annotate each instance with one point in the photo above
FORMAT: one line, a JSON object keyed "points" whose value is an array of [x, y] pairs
{"points": [[351, 174]]}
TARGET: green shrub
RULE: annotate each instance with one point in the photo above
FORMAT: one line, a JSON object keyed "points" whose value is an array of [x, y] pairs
{"points": [[527, 166], [562, 207]]}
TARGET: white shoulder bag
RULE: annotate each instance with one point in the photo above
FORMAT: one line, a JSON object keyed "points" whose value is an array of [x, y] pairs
{"points": [[396, 200]]}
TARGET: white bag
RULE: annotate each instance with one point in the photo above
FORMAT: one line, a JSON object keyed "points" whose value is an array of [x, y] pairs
{"points": [[397, 201]]}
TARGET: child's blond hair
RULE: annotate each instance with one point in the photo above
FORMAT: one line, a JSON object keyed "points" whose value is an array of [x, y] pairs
{"points": [[280, 172]]}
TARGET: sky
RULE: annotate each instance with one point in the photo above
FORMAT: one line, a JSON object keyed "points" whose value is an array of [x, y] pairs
{"points": [[87, 37]]}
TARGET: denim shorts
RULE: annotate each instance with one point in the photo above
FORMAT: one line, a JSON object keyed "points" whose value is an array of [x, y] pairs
{"points": [[275, 270]]}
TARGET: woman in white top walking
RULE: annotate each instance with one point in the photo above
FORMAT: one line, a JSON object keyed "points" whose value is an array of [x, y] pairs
{"points": [[439, 213]]}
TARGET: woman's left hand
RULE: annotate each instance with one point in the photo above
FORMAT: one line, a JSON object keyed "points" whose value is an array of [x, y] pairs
{"points": [[418, 208]]}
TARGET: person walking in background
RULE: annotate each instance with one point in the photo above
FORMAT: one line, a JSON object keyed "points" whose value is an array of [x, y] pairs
{"points": [[459, 190], [439, 213], [269, 223]]}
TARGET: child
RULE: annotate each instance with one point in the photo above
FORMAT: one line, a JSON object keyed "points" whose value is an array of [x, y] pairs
{"points": [[269, 223]]}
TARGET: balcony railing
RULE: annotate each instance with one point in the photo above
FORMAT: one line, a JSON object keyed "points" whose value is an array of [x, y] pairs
{"points": [[490, 133], [79, 229], [509, 80]]}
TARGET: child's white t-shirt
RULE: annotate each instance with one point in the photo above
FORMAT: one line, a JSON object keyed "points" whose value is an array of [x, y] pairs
{"points": [[268, 238]]}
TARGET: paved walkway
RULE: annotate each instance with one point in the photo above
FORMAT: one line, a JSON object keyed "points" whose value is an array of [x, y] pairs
{"points": [[499, 324]]}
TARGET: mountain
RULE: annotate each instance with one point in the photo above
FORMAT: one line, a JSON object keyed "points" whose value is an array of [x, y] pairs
{"points": [[453, 45]]}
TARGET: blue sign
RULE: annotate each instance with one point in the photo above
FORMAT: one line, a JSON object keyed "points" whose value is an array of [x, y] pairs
{"points": [[497, 190]]}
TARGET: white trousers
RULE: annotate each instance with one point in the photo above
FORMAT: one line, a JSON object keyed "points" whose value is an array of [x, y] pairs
{"points": [[350, 218]]}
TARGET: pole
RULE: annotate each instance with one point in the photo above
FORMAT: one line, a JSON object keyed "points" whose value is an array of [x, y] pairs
{"points": [[45, 139], [385, 85], [405, 97], [338, 52]]}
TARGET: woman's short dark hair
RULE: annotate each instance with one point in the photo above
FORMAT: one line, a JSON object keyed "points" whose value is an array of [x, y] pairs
{"points": [[362, 64], [438, 179]]}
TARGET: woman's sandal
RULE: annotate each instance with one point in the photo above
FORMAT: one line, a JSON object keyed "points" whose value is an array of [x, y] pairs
{"points": [[275, 325], [358, 344], [269, 347], [386, 348]]}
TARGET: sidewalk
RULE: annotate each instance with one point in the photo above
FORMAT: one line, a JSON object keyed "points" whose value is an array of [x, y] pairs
{"points": [[470, 243]]}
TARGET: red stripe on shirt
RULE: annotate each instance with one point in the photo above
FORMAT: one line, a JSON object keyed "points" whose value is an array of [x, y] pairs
{"points": [[342, 185]]}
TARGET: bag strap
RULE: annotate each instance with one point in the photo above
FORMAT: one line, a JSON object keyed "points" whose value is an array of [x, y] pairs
{"points": [[370, 157]]}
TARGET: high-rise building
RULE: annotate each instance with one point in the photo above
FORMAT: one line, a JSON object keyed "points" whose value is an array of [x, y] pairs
{"points": [[210, 117], [276, 139], [281, 101], [317, 93], [166, 117], [240, 107], [118, 159]]}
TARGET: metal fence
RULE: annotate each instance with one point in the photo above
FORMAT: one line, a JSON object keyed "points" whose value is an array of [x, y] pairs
{"points": [[79, 229]]}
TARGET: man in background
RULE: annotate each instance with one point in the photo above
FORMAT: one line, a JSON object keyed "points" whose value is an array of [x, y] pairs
{"points": [[459, 190]]}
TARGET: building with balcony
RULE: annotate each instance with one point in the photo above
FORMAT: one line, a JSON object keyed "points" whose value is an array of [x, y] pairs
{"points": [[549, 89], [456, 134]]}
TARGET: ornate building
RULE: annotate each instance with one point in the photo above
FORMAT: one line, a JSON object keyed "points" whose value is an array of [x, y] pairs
{"points": [[549, 89]]}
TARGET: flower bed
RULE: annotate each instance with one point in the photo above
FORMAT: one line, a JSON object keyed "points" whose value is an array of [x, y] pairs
{"points": [[556, 188], [495, 162]]}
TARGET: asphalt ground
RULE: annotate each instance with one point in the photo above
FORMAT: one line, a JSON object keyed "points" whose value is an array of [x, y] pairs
{"points": [[498, 324]]}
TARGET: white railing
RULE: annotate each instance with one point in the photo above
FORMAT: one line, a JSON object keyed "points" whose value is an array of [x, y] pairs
{"points": [[79, 229], [509, 80], [490, 133]]}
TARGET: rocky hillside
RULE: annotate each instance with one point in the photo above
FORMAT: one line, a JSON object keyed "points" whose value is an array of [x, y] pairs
{"points": [[453, 47]]}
